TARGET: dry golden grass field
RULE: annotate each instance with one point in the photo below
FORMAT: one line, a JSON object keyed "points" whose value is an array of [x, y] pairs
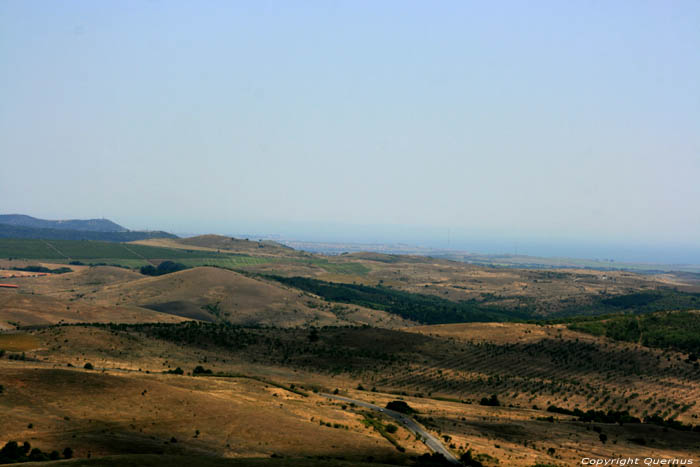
{"points": [[251, 414]]}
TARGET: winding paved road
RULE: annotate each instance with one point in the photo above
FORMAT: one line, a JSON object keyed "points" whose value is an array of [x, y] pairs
{"points": [[431, 441]]}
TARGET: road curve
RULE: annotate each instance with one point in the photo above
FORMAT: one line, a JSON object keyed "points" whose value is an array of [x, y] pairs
{"points": [[429, 440]]}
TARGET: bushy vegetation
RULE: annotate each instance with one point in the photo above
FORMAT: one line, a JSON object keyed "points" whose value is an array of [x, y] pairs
{"points": [[667, 330], [635, 303], [490, 401], [381, 428], [43, 269], [166, 267], [400, 406], [468, 460], [13, 452], [200, 370], [622, 417], [598, 416], [427, 309], [193, 333], [338, 349]]}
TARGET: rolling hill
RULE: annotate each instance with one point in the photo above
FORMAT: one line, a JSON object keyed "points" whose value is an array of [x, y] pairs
{"points": [[21, 226], [203, 293], [89, 225], [214, 294], [13, 231]]}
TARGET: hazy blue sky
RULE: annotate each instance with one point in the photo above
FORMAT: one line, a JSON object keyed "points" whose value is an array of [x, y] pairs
{"points": [[546, 122]]}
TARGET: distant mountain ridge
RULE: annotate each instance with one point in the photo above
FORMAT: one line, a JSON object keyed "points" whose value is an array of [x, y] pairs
{"points": [[88, 225], [22, 226]]}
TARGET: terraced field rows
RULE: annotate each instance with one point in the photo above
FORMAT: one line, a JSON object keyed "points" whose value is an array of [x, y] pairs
{"points": [[566, 373]]}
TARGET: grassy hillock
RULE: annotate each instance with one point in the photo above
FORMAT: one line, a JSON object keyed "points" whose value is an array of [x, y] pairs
{"points": [[666, 330]]}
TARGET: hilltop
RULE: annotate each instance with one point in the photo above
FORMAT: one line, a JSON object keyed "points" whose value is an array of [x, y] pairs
{"points": [[202, 293], [89, 225], [18, 309], [21, 226]]}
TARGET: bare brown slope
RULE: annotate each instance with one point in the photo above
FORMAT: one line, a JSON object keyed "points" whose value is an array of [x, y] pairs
{"points": [[125, 412], [213, 294], [72, 284], [34, 310]]}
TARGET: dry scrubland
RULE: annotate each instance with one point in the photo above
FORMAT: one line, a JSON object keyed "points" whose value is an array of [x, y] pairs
{"points": [[279, 347], [104, 413], [36, 310], [252, 416]]}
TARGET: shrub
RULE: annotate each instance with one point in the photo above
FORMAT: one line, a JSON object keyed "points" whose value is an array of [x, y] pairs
{"points": [[490, 401], [200, 370], [166, 267], [469, 461], [10, 452], [88, 366], [399, 406]]}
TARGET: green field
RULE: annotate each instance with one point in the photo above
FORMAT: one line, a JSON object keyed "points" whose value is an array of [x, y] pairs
{"points": [[85, 249], [134, 256], [121, 254], [229, 261], [337, 268]]}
